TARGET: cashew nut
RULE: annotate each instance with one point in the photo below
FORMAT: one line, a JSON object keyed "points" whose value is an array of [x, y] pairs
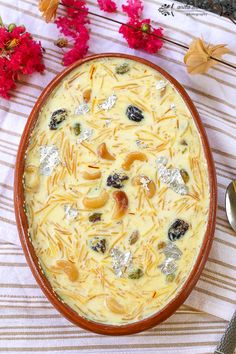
{"points": [[148, 184], [69, 268], [91, 176], [104, 153], [131, 157], [32, 180], [96, 202], [121, 205]]}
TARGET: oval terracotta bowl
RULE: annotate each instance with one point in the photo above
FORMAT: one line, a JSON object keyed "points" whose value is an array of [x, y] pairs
{"points": [[22, 222]]}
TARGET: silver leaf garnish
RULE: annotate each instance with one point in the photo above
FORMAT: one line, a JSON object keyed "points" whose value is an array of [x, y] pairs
{"points": [[173, 108], [145, 182], [71, 213], [161, 160], [85, 135], [49, 158], [141, 144], [108, 103], [172, 177], [82, 109], [120, 261], [169, 266], [172, 251], [161, 84]]}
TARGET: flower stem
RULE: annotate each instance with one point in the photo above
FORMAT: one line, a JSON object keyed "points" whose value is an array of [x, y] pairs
{"points": [[150, 34]]}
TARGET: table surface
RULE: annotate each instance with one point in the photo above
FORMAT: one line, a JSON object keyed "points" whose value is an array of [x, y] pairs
{"points": [[29, 323]]}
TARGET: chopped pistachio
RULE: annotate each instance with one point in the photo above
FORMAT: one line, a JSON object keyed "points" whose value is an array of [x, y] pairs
{"points": [[77, 128], [122, 69], [170, 278], [134, 237], [135, 274], [95, 217]]}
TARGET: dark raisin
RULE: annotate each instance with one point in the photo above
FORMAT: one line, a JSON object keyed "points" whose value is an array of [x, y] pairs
{"points": [[134, 113], [122, 69], [177, 230], [95, 217], [77, 128], [135, 274], [57, 117], [116, 180], [134, 237], [98, 244], [184, 175]]}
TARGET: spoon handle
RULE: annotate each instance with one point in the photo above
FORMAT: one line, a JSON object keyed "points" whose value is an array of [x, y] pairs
{"points": [[228, 340]]}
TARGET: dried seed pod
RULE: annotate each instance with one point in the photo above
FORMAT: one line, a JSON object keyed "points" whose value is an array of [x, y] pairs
{"points": [[114, 306], [96, 202], [61, 42], [148, 185], [131, 157], [32, 181], [87, 95], [69, 269], [184, 175], [104, 153], [121, 204], [134, 237], [91, 176]]}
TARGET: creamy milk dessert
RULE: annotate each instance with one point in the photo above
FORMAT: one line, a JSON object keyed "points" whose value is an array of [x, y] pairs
{"points": [[116, 191]]}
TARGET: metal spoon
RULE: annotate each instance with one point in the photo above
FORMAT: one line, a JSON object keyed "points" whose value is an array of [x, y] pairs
{"points": [[230, 204], [227, 343]]}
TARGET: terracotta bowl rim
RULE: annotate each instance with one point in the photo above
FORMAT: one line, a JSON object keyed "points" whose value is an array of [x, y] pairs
{"points": [[22, 223]]}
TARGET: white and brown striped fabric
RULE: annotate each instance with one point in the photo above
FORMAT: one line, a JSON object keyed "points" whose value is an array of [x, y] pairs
{"points": [[29, 323]]}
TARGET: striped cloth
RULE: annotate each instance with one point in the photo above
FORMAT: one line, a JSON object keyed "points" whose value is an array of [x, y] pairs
{"points": [[29, 323]]}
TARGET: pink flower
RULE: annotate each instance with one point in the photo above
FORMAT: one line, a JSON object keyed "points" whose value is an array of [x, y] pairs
{"points": [[141, 35], [80, 48], [134, 8], [19, 54], [69, 25], [7, 78], [74, 25], [107, 5]]}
